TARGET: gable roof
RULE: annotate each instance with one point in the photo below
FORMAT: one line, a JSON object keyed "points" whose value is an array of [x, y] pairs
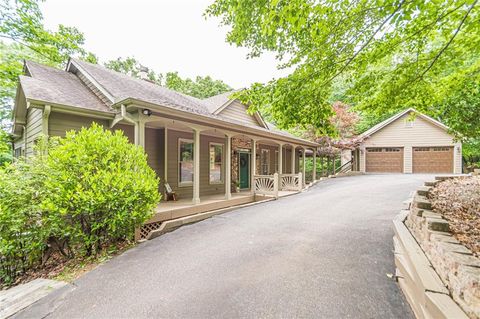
{"points": [[121, 86], [92, 87], [48, 84], [395, 117], [215, 102]]}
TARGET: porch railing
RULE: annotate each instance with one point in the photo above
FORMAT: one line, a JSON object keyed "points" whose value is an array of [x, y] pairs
{"points": [[266, 184], [347, 167], [291, 182]]}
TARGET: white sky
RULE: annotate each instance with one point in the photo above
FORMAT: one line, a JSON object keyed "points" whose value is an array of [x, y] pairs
{"points": [[165, 35]]}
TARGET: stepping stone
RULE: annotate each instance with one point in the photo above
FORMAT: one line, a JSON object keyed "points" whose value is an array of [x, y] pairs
{"points": [[19, 297]]}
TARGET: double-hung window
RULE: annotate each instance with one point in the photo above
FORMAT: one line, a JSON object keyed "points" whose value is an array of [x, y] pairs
{"points": [[216, 163], [265, 161], [185, 162]]}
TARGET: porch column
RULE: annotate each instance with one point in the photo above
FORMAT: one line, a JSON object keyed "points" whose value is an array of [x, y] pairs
{"points": [[303, 166], [196, 166], [140, 132], [280, 158], [293, 159], [314, 173], [254, 164], [228, 167]]}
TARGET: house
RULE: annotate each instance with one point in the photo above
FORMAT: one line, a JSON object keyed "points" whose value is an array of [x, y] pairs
{"points": [[235, 149], [408, 142]]}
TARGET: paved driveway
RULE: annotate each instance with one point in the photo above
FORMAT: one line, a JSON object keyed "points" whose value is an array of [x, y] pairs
{"points": [[324, 253]]}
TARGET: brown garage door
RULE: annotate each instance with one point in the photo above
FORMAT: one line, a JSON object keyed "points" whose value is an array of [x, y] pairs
{"points": [[384, 160], [433, 159]]}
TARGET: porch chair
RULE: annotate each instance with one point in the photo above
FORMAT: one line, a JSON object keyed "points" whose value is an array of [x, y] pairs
{"points": [[169, 193]]}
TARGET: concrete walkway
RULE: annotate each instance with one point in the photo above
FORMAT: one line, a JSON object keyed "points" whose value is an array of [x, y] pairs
{"points": [[324, 253]]}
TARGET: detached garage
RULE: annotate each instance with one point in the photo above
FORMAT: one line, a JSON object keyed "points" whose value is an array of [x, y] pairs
{"points": [[409, 142]]}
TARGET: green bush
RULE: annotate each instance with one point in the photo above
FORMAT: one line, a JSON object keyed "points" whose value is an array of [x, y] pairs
{"points": [[101, 184], [79, 194], [22, 237]]}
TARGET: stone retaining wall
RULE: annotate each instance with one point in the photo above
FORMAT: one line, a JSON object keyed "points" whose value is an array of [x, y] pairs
{"points": [[457, 267]]}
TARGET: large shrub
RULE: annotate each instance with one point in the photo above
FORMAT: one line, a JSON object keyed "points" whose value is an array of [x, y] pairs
{"points": [[22, 235], [77, 195], [101, 184]]}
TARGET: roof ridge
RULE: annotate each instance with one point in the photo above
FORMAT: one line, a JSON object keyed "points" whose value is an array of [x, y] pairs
{"points": [[137, 80]]}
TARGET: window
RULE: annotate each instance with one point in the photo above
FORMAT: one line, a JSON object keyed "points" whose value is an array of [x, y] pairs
{"points": [[185, 162], [216, 163], [18, 152], [392, 149], [265, 161], [276, 162]]}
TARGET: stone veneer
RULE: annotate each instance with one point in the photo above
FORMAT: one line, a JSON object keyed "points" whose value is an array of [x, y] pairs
{"points": [[455, 264]]}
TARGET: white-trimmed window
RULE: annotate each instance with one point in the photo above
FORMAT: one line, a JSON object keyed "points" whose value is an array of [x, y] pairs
{"points": [[185, 162], [265, 161], [276, 162], [216, 163]]}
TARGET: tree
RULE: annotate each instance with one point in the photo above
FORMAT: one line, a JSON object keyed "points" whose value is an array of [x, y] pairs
{"points": [[21, 25], [201, 87], [5, 148], [398, 53], [130, 66]]}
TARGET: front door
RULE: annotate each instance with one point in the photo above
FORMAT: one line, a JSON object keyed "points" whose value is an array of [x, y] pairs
{"points": [[244, 168]]}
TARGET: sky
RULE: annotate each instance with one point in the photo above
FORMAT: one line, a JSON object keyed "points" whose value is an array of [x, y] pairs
{"points": [[164, 35]]}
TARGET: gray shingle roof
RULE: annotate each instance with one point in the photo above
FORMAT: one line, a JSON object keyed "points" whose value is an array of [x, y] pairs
{"points": [[61, 87], [213, 103], [122, 86], [57, 86]]}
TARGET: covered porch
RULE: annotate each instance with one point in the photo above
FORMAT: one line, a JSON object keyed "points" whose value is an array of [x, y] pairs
{"points": [[211, 167]]}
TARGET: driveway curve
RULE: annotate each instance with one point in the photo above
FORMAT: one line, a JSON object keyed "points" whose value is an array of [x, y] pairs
{"points": [[324, 253]]}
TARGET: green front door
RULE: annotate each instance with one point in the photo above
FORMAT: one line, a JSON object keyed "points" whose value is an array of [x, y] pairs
{"points": [[244, 159]]}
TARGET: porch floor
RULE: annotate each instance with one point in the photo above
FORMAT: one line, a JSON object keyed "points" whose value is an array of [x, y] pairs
{"points": [[167, 210]]}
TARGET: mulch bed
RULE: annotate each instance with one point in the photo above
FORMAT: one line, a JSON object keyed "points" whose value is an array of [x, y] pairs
{"points": [[60, 268], [458, 200]]}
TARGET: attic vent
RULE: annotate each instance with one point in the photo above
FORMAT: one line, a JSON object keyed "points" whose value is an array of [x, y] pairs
{"points": [[409, 122]]}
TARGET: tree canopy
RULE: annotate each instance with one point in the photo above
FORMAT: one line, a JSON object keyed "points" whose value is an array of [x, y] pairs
{"points": [[25, 37], [201, 87], [390, 54]]}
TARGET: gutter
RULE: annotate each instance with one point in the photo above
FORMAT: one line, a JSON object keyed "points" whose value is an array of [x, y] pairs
{"points": [[186, 116]]}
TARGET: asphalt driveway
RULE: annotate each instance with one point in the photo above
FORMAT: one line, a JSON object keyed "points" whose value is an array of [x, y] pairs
{"points": [[324, 253]]}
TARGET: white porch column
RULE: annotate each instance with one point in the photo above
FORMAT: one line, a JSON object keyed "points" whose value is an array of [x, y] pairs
{"points": [[196, 166], [280, 158], [314, 173], [140, 132], [293, 158], [228, 167], [253, 162], [303, 165]]}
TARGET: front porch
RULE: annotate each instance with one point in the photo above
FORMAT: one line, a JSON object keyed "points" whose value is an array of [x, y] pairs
{"points": [[211, 168]]}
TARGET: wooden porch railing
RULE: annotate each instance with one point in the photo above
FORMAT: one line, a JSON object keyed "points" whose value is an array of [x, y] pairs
{"points": [[266, 184], [291, 182], [347, 167]]}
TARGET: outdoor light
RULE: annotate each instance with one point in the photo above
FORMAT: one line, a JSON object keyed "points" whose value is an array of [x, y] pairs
{"points": [[147, 112]]}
